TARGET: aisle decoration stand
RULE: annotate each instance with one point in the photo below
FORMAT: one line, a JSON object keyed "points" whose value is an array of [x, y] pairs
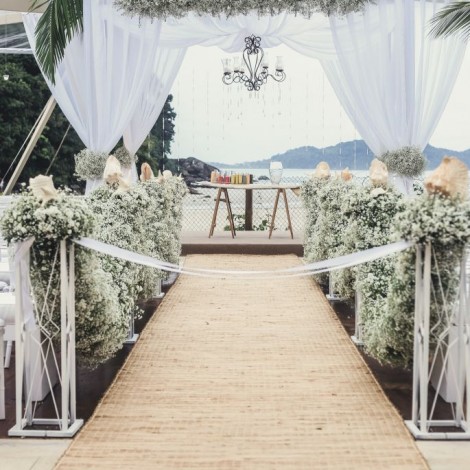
{"points": [[441, 347]]}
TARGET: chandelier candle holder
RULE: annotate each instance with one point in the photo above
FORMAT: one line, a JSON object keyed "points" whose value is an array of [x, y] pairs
{"points": [[252, 69]]}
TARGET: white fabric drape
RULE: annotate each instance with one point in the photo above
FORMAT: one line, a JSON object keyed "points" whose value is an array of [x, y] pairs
{"points": [[103, 73], [229, 33], [392, 79], [166, 66], [395, 89]]}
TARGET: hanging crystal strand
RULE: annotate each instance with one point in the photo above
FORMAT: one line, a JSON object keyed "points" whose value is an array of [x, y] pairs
{"points": [[341, 137], [291, 115], [194, 114], [355, 149], [264, 104], [307, 109], [208, 133], [279, 98], [224, 108], [176, 145], [323, 114]]}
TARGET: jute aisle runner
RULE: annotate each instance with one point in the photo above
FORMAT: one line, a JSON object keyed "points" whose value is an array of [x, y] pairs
{"points": [[244, 375]]}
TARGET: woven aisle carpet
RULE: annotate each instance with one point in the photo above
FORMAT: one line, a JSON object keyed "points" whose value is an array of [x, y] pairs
{"points": [[233, 374]]}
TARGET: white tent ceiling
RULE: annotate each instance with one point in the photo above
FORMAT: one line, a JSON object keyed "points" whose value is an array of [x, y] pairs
{"points": [[17, 5]]}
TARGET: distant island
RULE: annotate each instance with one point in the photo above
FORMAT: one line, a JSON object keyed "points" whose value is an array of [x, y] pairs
{"points": [[353, 154]]}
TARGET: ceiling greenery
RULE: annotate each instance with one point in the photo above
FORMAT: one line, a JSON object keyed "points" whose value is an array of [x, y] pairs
{"points": [[179, 8]]}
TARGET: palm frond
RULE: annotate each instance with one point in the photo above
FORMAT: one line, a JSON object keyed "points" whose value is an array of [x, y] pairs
{"points": [[452, 19], [36, 4], [59, 23]]}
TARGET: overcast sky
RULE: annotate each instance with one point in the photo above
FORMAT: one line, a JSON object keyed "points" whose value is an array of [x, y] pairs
{"points": [[228, 124]]}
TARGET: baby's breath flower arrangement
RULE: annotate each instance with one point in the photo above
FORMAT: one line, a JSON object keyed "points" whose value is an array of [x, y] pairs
{"points": [[121, 221], [124, 157], [310, 198], [445, 222], [89, 164], [407, 161], [326, 228], [225, 8], [370, 212], [67, 217]]}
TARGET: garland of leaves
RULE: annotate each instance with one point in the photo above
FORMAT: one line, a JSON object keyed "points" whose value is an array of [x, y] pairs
{"points": [[179, 8], [67, 217], [407, 161]]}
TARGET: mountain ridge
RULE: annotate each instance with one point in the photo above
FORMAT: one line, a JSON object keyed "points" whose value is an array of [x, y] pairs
{"points": [[353, 154]]}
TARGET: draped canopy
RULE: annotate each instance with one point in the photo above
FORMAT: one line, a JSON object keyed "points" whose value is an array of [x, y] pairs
{"points": [[392, 79]]}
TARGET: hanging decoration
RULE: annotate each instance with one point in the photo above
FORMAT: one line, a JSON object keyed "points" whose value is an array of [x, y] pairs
{"points": [[253, 68], [179, 8], [407, 161]]}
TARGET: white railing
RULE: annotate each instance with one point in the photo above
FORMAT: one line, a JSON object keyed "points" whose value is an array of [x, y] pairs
{"points": [[441, 357]]}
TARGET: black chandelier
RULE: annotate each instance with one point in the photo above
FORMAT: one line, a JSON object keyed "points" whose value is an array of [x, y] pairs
{"points": [[253, 69]]}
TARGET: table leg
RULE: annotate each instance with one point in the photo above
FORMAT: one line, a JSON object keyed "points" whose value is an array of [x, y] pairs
{"points": [[288, 214], [229, 212], [273, 218], [249, 209], [214, 215]]}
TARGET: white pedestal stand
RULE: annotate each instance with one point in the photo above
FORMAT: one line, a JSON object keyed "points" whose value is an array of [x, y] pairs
{"points": [[454, 355], [26, 359]]}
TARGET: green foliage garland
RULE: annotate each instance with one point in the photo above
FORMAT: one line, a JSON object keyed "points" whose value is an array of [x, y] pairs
{"points": [[180, 8]]}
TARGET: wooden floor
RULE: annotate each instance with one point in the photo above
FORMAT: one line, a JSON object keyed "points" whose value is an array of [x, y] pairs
{"points": [[247, 243], [244, 375]]}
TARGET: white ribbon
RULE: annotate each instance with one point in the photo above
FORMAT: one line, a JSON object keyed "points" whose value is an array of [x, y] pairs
{"points": [[340, 262]]}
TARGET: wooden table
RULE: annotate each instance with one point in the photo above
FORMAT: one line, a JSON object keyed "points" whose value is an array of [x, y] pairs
{"points": [[223, 191]]}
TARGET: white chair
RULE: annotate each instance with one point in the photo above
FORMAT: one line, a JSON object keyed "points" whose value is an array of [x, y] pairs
{"points": [[7, 314]]}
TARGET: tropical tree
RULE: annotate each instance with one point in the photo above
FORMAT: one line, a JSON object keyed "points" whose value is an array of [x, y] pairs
{"points": [[157, 145], [452, 19]]}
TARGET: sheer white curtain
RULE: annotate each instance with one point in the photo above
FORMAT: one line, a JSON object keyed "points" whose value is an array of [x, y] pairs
{"points": [[104, 72], [395, 83], [166, 66]]}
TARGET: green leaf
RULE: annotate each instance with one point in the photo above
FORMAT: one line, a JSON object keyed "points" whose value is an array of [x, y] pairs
{"points": [[60, 22], [452, 19]]}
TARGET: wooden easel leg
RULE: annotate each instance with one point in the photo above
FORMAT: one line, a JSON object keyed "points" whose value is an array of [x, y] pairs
{"points": [[214, 215], [288, 214], [273, 218], [229, 211]]}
